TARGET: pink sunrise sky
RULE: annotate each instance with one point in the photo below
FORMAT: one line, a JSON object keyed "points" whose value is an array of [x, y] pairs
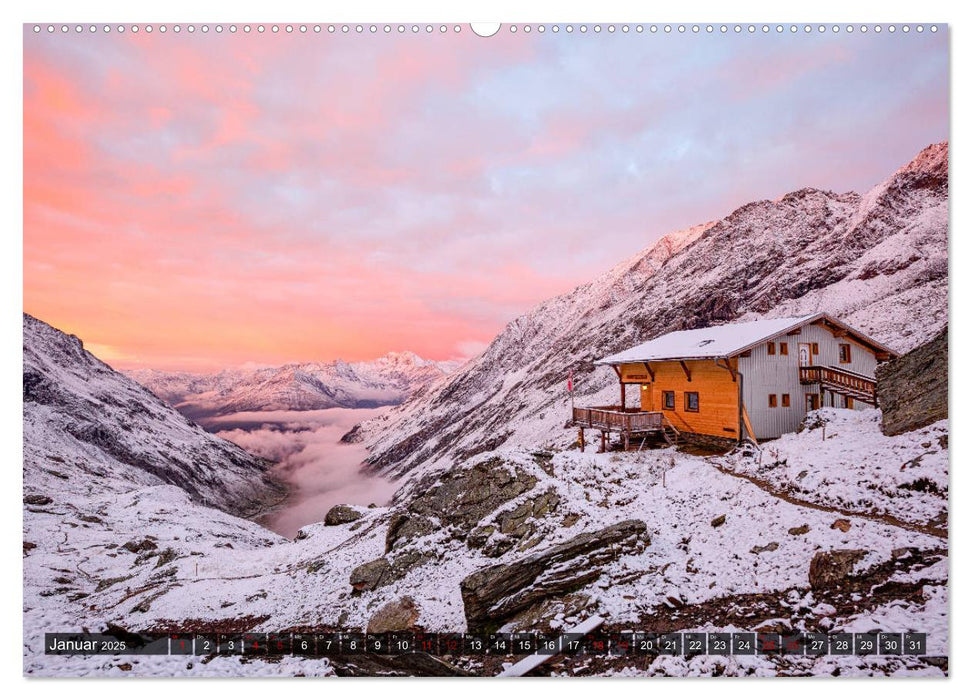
{"points": [[202, 201]]}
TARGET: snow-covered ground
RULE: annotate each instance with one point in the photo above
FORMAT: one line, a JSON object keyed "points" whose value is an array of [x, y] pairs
{"points": [[843, 460], [207, 568], [111, 534]]}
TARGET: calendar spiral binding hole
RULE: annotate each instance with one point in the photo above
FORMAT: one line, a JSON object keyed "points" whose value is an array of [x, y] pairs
{"points": [[442, 29]]}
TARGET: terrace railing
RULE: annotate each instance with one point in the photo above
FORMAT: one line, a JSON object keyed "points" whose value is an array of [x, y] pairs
{"points": [[629, 420], [841, 381]]}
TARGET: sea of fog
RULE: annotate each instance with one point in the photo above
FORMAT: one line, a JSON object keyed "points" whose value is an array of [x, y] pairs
{"points": [[320, 470]]}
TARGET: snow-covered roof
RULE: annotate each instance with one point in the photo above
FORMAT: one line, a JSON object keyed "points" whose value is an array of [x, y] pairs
{"points": [[724, 341]]}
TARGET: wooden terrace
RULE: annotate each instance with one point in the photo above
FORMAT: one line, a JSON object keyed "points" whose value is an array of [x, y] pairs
{"points": [[841, 381], [628, 422]]}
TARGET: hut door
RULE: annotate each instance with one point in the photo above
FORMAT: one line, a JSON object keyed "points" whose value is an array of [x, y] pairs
{"points": [[805, 354], [647, 398]]}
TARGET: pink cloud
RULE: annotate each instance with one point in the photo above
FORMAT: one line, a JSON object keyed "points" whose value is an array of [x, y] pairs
{"points": [[196, 202]]}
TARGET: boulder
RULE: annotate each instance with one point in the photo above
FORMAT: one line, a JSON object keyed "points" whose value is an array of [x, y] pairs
{"points": [[397, 616], [465, 497], [37, 500], [514, 526], [718, 522], [832, 569], [381, 572], [371, 575], [139, 546], [912, 389], [841, 524], [498, 592], [801, 530], [341, 514], [759, 548]]}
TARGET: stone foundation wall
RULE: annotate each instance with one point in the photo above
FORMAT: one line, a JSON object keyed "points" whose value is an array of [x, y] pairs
{"points": [[709, 442]]}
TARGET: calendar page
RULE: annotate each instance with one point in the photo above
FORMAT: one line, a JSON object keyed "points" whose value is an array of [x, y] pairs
{"points": [[480, 350]]}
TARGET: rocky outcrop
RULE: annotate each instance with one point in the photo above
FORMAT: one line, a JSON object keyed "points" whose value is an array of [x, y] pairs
{"points": [[514, 526], [341, 514], [495, 594], [833, 569], [913, 387], [460, 499]]}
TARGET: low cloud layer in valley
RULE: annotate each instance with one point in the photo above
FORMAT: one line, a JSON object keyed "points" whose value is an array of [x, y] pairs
{"points": [[321, 470]]}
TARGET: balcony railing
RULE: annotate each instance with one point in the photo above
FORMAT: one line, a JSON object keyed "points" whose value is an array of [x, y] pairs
{"points": [[841, 381], [625, 420]]}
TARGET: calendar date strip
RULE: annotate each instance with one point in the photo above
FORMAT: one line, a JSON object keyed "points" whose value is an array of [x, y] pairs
{"points": [[499, 644]]}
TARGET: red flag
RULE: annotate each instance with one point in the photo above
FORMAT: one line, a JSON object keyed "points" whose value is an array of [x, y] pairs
{"points": [[569, 382]]}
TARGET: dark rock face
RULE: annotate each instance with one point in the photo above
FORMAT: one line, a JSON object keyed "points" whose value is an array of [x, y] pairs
{"points": [[495, 594], [515, 526], [460, 499], [832, 569], [37, 500], [341, 514], [912, 389]]}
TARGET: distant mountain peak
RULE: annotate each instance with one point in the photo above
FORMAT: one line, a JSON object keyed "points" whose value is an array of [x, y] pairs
{"points": [[387, 380]]}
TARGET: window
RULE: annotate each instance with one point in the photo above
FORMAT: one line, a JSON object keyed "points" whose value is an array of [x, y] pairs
{"points": [[849, 402], [785, 401], [668, 400], [771, 348], [783, 348], [844, 353], [772, 401], [815, 348], [691, 401]]}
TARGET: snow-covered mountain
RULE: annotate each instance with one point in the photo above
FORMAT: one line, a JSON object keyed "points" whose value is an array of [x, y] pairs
{"points": [[877, 260], [89, 429], [299, 387]]}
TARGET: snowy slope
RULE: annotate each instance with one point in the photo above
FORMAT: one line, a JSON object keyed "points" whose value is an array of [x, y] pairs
{"points": [[877, 261], [206, 570], [89, 429], [305, 386]]}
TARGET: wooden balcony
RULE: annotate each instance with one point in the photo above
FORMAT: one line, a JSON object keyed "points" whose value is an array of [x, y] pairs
{"points": [[615, 418], [841, 381]]}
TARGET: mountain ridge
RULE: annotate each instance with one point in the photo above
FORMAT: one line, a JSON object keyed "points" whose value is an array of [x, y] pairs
{"points": [[877, 260], [387, 380], [84, 419]]}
